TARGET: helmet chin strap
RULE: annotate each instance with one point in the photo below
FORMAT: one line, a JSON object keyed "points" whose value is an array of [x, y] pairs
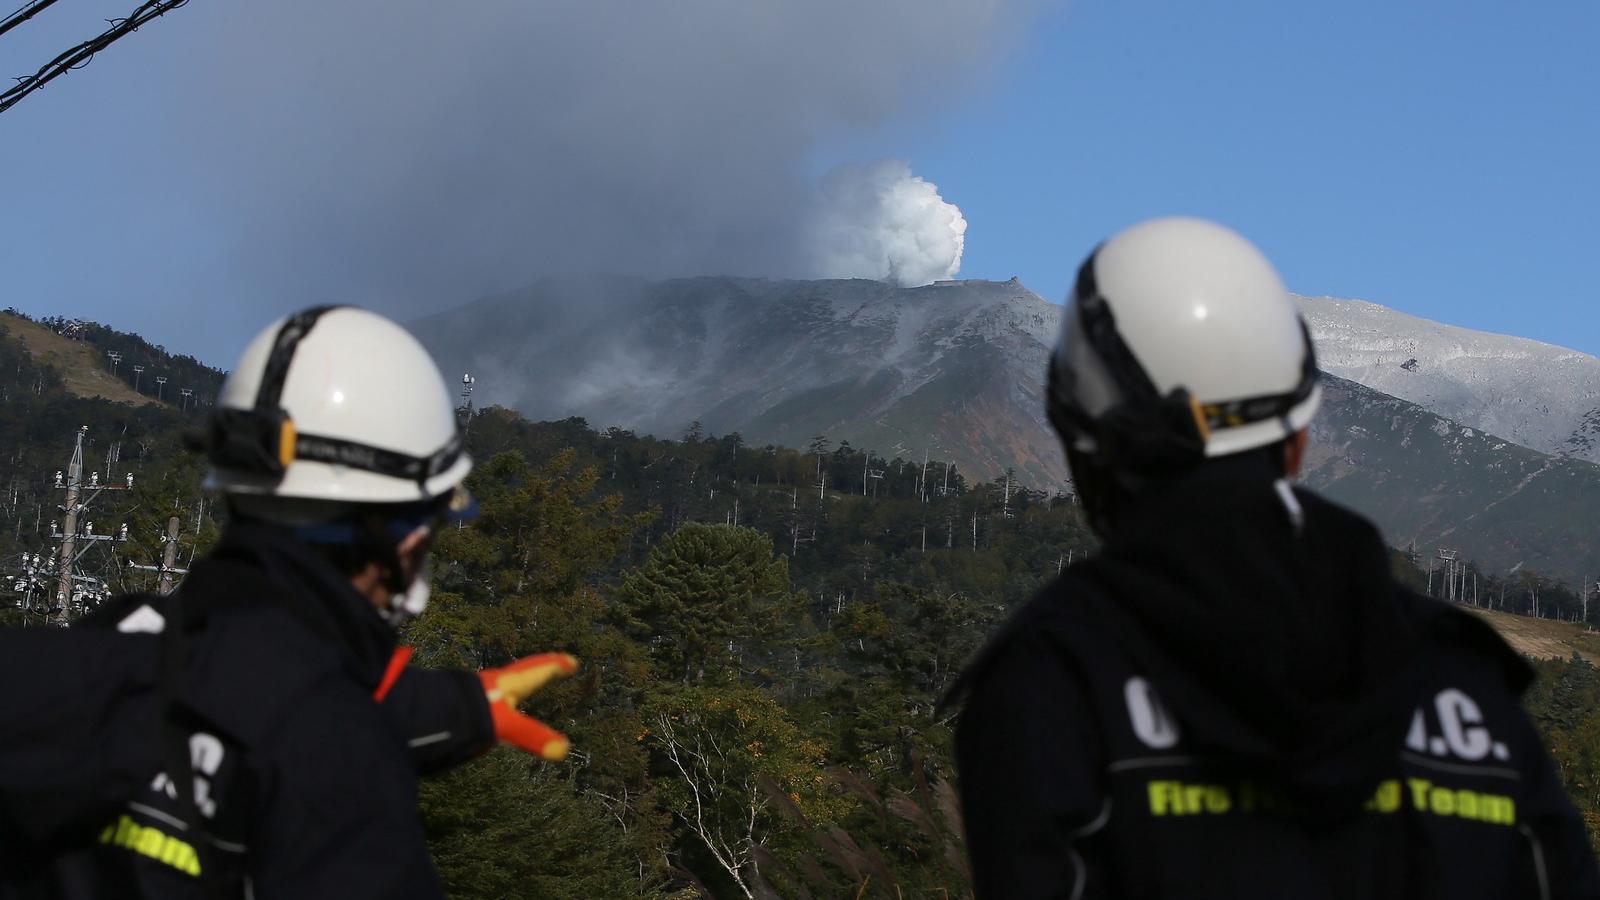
{"points": [[409, 603], [407, 599]]}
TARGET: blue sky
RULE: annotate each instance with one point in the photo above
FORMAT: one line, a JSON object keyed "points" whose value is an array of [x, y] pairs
{"points": [[1436, 157], [1439, 158]]}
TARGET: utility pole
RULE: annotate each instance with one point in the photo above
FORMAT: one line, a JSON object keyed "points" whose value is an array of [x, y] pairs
{"points": [[169, 556], [69, 531], [74, 591], [169, 559], [138, 371], [161, 383]]}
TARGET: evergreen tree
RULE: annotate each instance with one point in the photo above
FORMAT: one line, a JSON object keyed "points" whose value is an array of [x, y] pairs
{"points": [[705, 592]]}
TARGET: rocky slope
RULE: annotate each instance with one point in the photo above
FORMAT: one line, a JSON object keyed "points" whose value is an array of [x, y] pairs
{"points": [[955, 370], [1538, 395], [1432, 482]]}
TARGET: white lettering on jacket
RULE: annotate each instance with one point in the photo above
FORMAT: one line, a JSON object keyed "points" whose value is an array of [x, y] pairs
{"points": [[1461, 731], [1151, 721]]}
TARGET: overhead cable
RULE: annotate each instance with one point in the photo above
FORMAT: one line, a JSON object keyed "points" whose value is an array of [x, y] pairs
{"points": [[79, 56], [28, 11]]}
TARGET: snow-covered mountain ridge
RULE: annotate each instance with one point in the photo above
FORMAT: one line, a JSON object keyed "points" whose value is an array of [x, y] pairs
{"points": [[955, 371], [1531, 393]]}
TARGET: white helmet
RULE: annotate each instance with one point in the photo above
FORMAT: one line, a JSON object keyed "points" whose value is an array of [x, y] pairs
{"points": [[336, 404], [1179, 342]]}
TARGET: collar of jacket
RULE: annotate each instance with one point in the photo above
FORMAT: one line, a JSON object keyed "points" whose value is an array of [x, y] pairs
{"points": [[263, 564], [1282, 642]]}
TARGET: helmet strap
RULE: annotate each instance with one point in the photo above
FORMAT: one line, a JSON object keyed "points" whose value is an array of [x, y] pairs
{"points": [[386, 548], [264, 438]]}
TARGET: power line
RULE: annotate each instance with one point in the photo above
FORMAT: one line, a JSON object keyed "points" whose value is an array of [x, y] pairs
{"points": [[79, 56], [28, 11]]}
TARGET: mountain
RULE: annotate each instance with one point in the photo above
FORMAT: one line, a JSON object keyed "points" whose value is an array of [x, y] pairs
{"points": [[1534, 394], [1433, 482], [94, 360], [79, 364], [955, 370]]}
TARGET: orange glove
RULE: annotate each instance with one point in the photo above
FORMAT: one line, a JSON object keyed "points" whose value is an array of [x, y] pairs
{"points": [[510, 685]]}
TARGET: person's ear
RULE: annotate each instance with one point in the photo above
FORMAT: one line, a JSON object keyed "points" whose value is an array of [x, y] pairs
{"points": [[1294, 452]]}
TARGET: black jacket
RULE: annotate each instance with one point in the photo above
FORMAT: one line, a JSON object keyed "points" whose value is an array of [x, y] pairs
{"points": [[1234, 699], [303, 785]]}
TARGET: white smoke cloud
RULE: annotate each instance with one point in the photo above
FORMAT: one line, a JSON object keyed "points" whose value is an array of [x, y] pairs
{"points": [[880, 221], [406, 154]]}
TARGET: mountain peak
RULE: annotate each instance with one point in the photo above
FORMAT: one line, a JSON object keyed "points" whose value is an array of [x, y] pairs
{"points": [[953, 369], [956, 370], [1532, 393]]}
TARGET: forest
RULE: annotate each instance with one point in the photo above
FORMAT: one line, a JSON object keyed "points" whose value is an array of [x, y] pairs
{"points": [[766, 634]]}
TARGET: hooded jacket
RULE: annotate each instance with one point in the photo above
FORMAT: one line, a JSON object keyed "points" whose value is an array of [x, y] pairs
{"points": [[1235, 699], [303, 786]]}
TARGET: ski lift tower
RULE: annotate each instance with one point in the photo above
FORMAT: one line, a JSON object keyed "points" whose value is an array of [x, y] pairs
{"points": [[464, 411], [1452, 572], [74, 590]]}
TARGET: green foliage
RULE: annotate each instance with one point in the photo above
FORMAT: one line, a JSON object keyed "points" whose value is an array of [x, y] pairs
{"points": [[716, 749], [846, 612], [1565, 704], [183, 371], [765, 635], [518, 580], [20, 377], [895, 845], [38, 423], [704, 588], [506, 827]]}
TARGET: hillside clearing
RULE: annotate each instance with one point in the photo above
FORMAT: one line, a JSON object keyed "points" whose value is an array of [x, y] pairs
{"points": [[1544, 638], [82, 371]]}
